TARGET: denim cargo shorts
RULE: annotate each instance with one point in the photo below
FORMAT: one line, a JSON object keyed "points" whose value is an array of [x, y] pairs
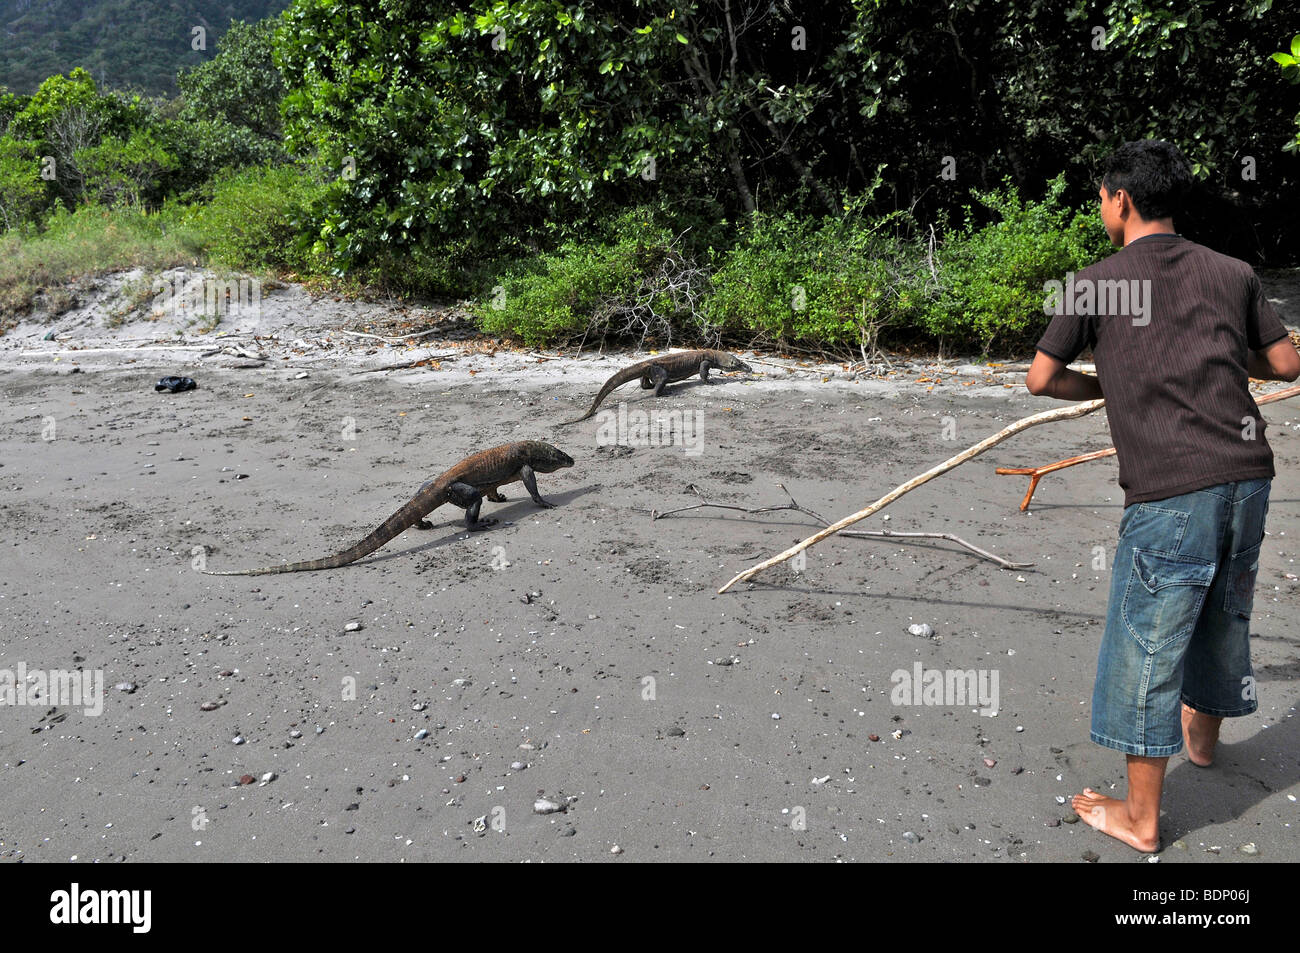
{"points": [[1177, 627]]}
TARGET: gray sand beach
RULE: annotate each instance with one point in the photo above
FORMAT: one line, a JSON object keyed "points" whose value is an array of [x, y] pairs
{"points": [[568, 685]]}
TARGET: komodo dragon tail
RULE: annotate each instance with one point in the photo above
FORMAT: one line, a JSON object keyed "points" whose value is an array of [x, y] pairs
{"points": [[618, 380], [406, 517]]}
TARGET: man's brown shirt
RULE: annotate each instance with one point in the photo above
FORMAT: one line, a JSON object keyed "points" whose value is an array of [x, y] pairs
{"points": [[1172, 363]]}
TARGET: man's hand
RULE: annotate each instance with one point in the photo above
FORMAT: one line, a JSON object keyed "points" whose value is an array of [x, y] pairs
{"points": [[1049, 377]]}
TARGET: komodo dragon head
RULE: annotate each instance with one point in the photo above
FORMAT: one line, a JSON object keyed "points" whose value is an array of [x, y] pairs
{"points": [[732, 363], [548, 459]]}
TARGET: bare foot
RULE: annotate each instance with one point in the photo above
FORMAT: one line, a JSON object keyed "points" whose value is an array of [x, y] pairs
{"points": [[1200, 735], [1111, 816]]}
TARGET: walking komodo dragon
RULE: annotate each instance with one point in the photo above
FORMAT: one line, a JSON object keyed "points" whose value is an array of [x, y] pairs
{"points": [[666, 369], [464, 485]]}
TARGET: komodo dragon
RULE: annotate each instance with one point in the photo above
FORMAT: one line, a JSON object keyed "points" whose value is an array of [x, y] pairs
{"points": [[666, 369], [465, 485]]}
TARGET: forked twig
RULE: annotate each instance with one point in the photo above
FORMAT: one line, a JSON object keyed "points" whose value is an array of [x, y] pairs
{"points": [[1037, 473]]}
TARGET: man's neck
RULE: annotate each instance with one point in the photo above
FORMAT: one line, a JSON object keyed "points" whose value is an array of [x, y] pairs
{"points": [[1136, 228]]}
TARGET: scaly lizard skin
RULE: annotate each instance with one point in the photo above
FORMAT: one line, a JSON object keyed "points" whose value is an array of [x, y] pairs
{"points": [[666, 369], [464, 485]]}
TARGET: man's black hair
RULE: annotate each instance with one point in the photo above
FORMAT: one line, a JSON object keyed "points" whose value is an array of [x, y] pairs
{"points": [[1156, 176]]}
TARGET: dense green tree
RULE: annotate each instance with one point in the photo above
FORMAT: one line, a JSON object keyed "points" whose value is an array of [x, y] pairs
{"points": [[1290, 63], [21, 193], [240, 85], [509, 121], [228, 115], [124, 171]]}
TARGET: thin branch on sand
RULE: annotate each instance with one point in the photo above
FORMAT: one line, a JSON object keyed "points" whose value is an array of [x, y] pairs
{"points": [[1047, 416], [862, 534]]}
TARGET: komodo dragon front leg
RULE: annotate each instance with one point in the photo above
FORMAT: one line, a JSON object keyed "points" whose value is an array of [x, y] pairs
{"points": [[471, 500], [529, 479]]}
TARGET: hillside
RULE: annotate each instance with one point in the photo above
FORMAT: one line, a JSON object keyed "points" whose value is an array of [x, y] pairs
{"points": [[126, 44]]}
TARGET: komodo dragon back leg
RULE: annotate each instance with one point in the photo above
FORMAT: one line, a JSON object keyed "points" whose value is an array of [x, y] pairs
{"points": [[471, 501], [660, 377], [530, 484]]}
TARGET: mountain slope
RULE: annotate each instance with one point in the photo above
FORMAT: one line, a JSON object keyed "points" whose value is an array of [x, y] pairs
{"points": [[125, 44]]}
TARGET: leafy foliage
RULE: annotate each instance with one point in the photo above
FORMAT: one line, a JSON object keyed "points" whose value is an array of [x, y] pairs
{"points": [[229, 110], [239, 85], [1290, 63], [447, 148], [124, 171], [257, 218], [21, 191], [533, 121], [993, 276], [835, 284], [587, 286]]}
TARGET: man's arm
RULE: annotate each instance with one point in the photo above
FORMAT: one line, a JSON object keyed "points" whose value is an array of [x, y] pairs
{"points": [[1050, 377], [1277, 362]]}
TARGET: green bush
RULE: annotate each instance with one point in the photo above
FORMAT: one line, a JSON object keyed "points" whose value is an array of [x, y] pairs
{"points": [[21, 193], [823, 283], [259, 218], [124, 171], [638, 287], [992, 277]]}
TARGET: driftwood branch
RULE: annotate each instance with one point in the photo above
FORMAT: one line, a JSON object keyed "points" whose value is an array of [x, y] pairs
{"points": [[861, 534], [1037, 473], [386, 339], [1047, 416], [435, 358], [234, 350]]}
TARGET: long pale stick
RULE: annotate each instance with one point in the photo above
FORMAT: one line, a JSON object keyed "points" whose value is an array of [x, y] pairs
{"points": [[1046, 417], [1037, 473]]}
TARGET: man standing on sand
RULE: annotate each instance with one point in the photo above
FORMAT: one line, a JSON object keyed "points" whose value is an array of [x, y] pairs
{"points": [[1173, 362]]}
